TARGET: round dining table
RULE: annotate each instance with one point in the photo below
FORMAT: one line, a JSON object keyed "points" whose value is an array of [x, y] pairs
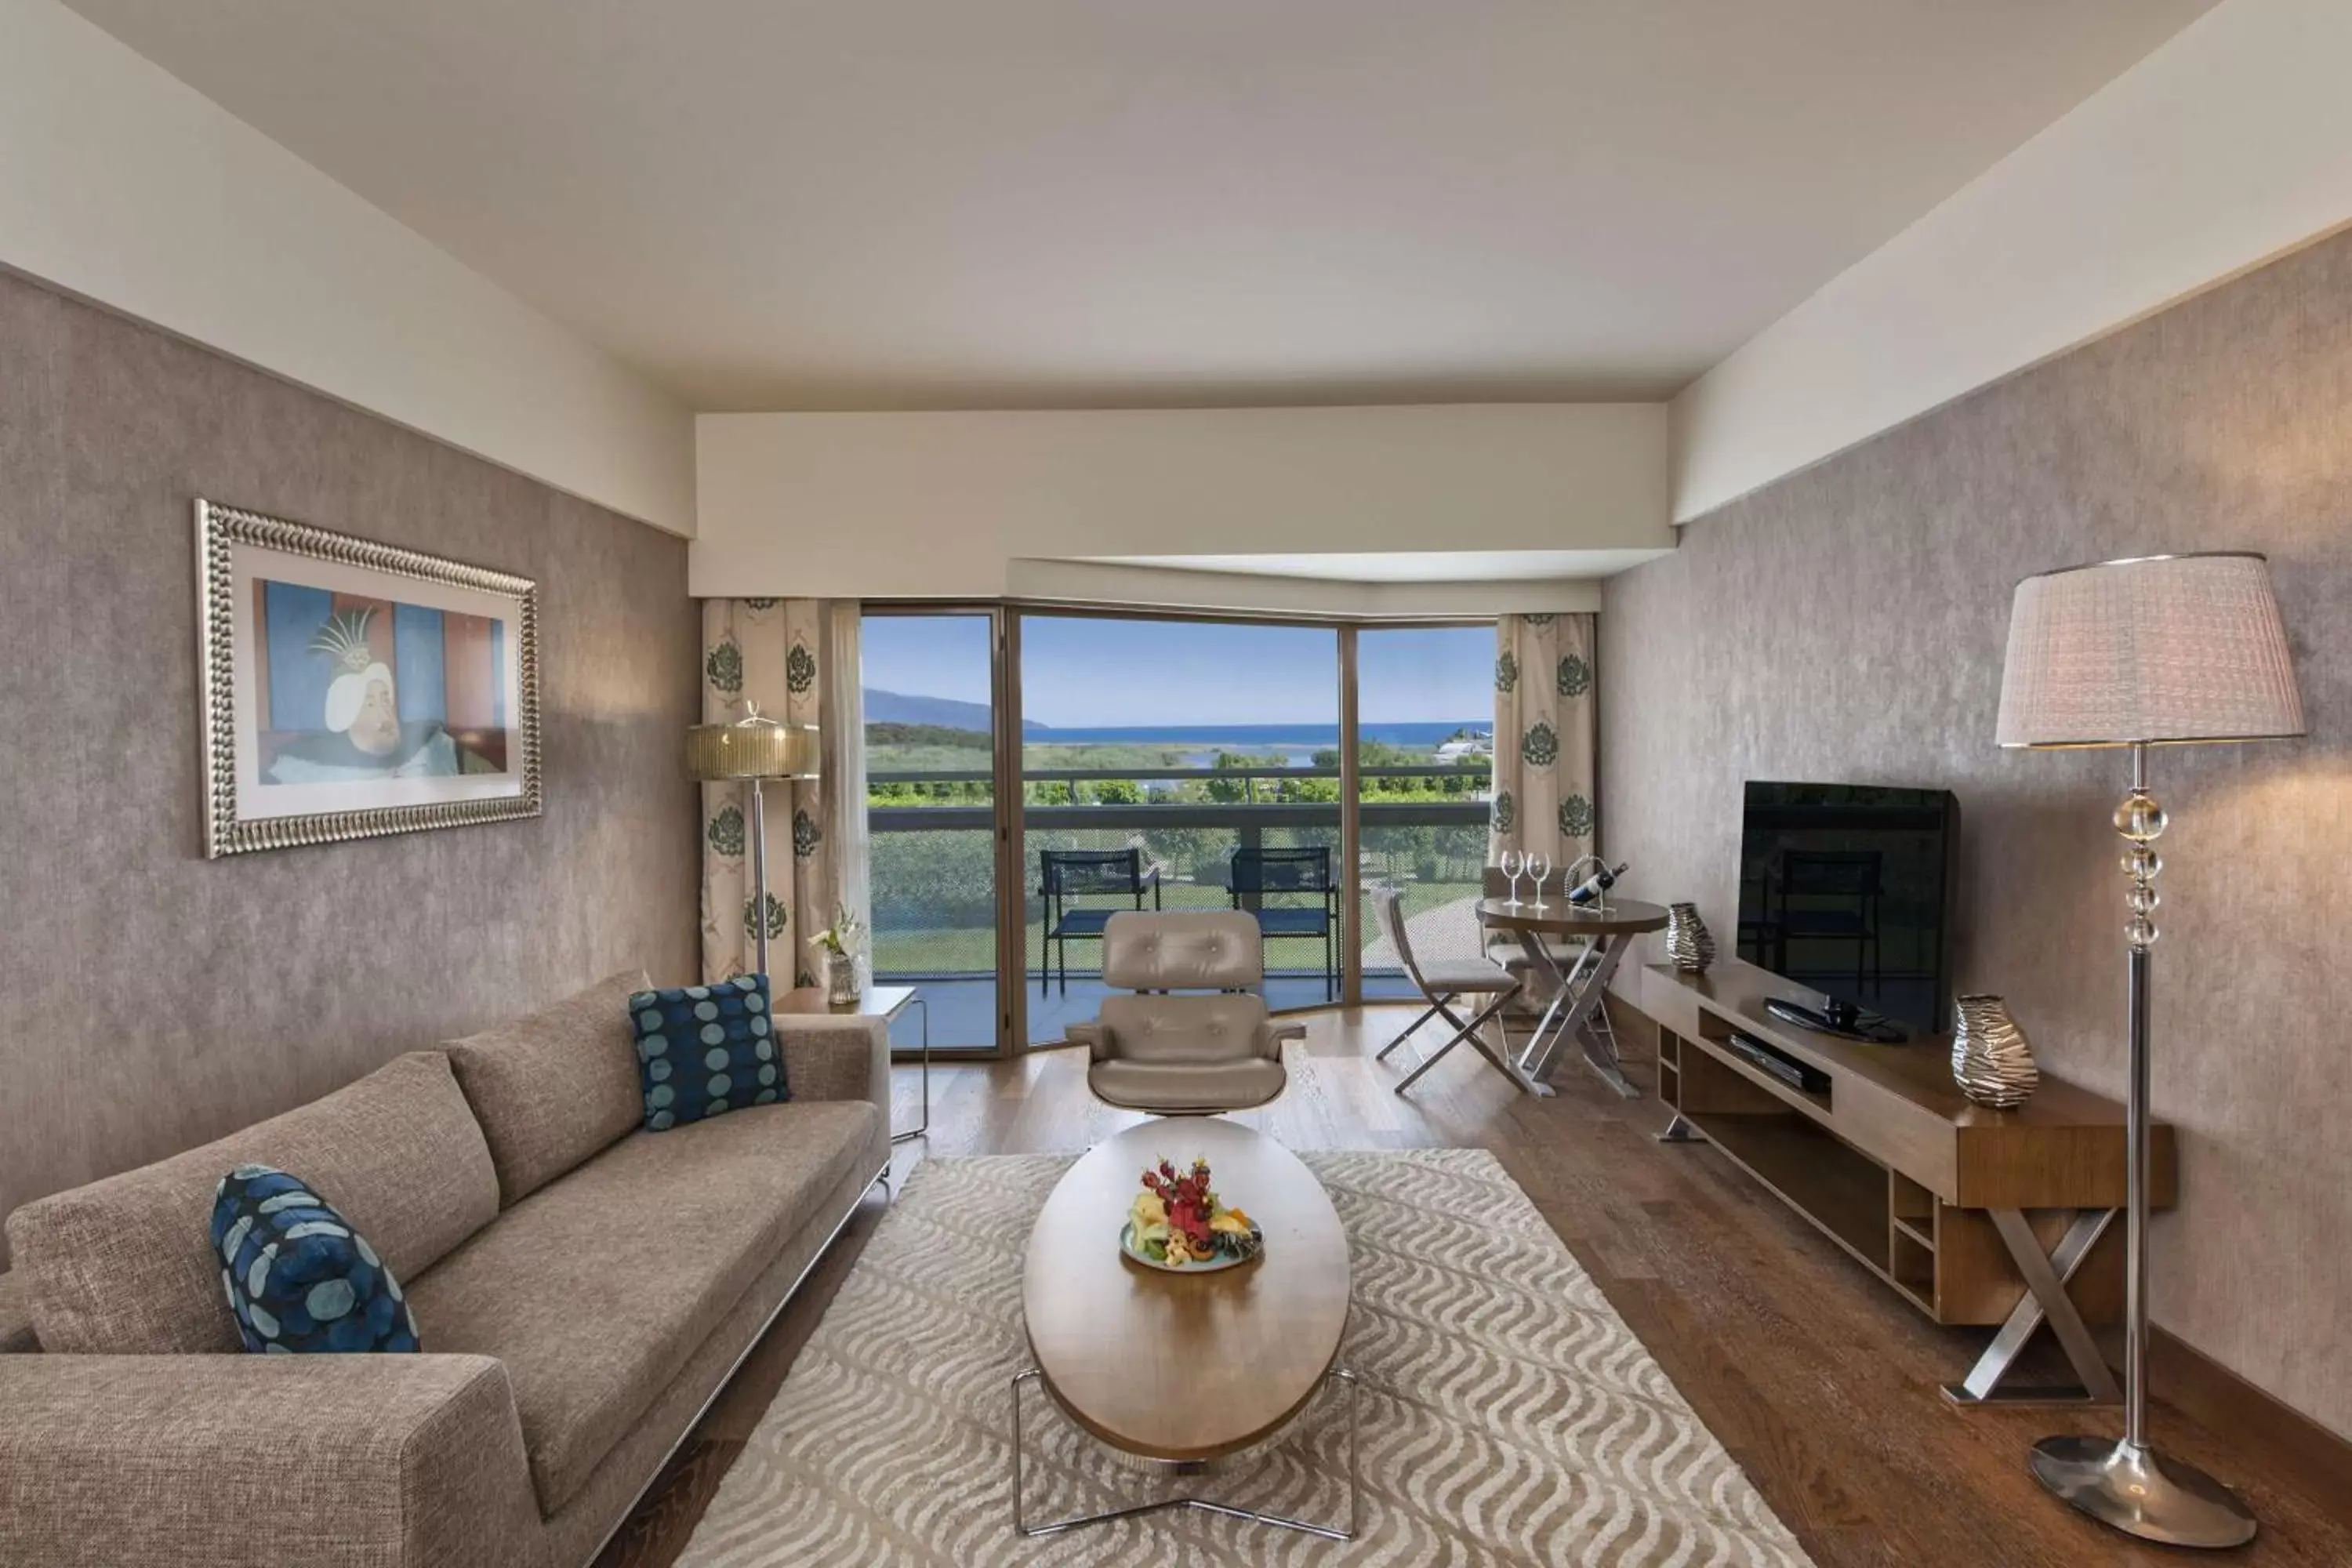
{"points": [[1573, 989]]}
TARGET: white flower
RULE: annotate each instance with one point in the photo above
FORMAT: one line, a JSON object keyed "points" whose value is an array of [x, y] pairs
{"points": [[841, 935]]}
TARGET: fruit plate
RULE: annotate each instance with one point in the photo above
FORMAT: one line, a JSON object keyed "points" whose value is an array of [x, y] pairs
{"points": [[1223, 1260]]}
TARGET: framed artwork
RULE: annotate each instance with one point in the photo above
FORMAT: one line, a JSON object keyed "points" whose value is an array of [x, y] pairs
{"points": [[350, 689]]}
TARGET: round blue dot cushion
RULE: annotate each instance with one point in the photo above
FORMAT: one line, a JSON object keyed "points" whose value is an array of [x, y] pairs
{"points": [[296, 1276], [705, 1045]]}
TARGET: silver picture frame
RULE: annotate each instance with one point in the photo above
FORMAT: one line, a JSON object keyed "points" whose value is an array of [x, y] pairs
{"points": [[493, 775]]}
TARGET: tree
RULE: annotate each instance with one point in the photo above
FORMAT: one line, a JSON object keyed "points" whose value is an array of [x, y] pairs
{"points": [[1230, 791]]}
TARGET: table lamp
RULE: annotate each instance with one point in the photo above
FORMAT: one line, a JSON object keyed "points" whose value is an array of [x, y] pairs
{"points": [[2158, 651], [752, 750]]}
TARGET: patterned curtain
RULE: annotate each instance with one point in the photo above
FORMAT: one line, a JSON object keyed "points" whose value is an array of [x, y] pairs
{"points": [[1543, 737], [767, 652]]}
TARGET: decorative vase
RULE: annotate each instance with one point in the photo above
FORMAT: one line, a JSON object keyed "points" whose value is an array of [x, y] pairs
{"points": [[1688, 941], [841, 987], [1993, 1061]]}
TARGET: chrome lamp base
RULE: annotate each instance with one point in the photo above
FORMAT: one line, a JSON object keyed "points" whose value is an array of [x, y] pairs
{"points": [[2142, 1492]]}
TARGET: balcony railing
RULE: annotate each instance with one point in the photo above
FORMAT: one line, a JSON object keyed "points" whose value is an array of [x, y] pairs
{"points": [[933, 861]]}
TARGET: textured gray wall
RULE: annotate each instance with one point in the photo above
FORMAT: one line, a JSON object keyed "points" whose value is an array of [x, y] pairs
{"points": [[1847, 622], [150, 999]]}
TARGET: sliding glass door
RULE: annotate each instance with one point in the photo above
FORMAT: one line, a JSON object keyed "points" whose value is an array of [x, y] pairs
{"points": [[1177, 765], [1030, 773], [1425, 763], [931, 730]]}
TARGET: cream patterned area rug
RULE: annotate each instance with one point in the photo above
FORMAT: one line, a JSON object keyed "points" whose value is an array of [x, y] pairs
{"points": [[1508, 1416]]}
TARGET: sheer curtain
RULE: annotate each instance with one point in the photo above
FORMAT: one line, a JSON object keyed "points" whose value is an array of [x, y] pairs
{"points": [[795, 659], [1543, 737], [844, 783]]}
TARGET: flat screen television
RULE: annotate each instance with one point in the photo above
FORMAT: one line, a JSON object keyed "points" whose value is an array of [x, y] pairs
{"points": [[1847, 889]]}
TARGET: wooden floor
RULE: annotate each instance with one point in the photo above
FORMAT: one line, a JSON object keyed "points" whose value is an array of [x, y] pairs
{"points": [[1817, 1379]]}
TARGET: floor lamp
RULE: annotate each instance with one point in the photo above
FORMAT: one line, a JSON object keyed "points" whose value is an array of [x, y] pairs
{"points": [[753, 750], [2165, 649]]}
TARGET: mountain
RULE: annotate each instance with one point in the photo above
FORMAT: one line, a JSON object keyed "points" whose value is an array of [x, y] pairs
{"points": [[902, 708]]}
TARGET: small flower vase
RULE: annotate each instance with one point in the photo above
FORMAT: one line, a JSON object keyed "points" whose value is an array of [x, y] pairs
{"points": [[841, 987], [1993, 1061], [1688, 941]]}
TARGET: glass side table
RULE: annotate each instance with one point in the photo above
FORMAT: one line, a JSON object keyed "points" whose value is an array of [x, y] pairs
{"points": [[888, 1002]]}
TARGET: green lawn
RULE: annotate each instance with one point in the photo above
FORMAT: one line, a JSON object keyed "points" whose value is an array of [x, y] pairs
{"points": [[973, 949]]}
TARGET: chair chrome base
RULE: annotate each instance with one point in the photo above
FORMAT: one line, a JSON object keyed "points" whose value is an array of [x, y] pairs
{"points": [[1326, 1532], [2142, 1492]]}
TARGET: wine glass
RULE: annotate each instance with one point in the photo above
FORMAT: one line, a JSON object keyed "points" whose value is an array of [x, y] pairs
{"points": [[1538, 866], [1512, 861]]}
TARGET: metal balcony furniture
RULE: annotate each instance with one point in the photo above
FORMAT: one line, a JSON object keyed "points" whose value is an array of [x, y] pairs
{"points": [[1067, 876], [1192, 1054], [1259, 876], [1825, 895], [1445, 984]]}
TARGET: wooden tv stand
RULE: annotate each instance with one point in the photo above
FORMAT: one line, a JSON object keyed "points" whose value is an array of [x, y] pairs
{"points": [[1973, 1216]]}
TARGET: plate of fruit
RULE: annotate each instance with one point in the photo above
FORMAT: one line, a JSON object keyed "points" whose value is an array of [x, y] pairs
{"points": [[1179, 1224]]}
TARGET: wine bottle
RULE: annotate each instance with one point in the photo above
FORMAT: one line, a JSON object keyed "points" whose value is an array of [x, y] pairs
{"points": [[1600, 882]]}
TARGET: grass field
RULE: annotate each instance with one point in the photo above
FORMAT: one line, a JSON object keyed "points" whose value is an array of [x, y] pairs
{"points": [[973, 949]]}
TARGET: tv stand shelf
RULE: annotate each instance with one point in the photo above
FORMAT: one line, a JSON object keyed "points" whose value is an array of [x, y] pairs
{"points": [[1974, 1216]]}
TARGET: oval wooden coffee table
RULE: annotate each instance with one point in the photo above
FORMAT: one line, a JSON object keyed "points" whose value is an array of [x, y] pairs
{"points": [[1181, 1369]]}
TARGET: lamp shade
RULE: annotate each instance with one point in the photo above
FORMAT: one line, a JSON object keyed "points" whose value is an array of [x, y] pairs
{"points": [[2165, 648], [753, 748]]}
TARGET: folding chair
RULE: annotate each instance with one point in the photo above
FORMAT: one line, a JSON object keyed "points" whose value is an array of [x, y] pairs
{"points": [[1442, 985]]}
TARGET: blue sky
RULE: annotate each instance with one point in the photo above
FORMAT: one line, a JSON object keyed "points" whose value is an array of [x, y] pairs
{"points": [[1079, 673]]}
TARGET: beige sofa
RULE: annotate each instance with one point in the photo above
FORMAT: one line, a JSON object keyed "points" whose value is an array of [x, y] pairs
{"points": [[583, 1288]]}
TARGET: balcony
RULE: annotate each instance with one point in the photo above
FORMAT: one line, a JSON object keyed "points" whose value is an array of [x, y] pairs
{"points": [[933, 872]]}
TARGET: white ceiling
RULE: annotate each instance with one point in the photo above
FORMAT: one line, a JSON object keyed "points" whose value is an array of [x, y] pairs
{"points": [[1406, 565], [896, 203]]}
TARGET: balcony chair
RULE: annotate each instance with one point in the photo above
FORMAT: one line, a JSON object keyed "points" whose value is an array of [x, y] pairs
{"points": [[1838, 893], [1256, 875], [1065, 876], [1192, 1055], [1444, 985]]}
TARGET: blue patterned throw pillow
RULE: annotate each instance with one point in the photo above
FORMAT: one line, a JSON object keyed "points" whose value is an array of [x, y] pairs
{"points": [[299, 1278], [703, 1050]]}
